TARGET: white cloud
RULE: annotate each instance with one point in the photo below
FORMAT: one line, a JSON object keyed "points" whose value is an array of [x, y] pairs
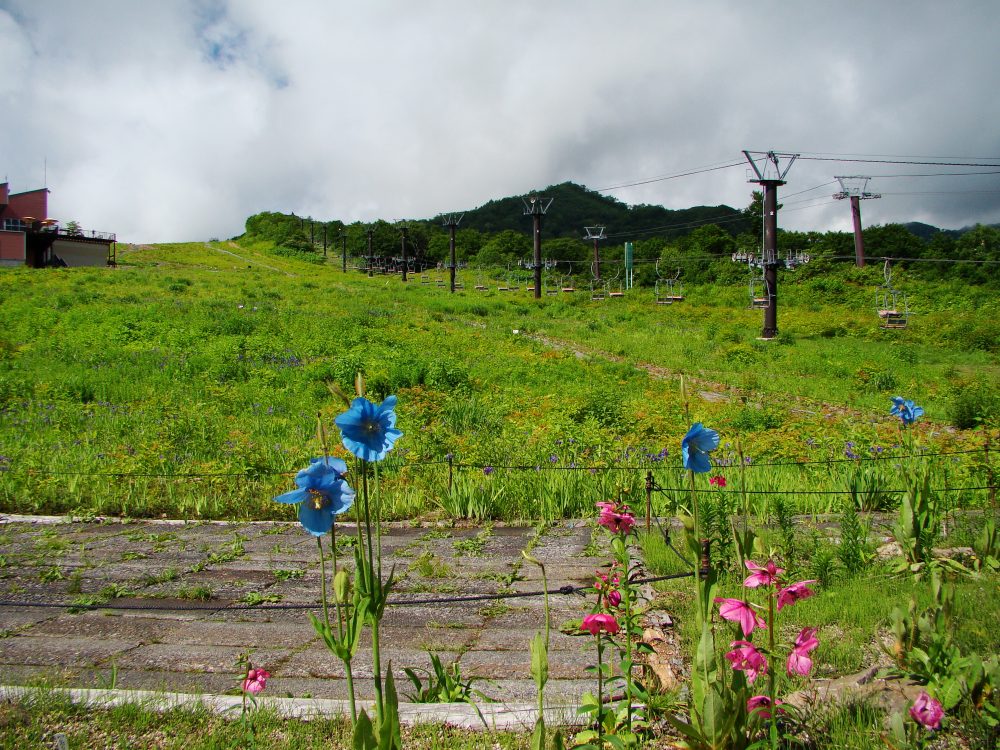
{"points": [[175, 121]]}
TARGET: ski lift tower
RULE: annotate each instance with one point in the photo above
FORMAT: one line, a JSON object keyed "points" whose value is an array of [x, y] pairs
{"points": [[856, 188], [769, 174], [404, 231], [536, 207], [452, 221], [596, 234]]}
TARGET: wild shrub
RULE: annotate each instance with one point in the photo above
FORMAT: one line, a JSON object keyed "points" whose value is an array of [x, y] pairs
{"points": [[875, 378], [853, 551], [750, 418], [604, 407], [974, 403]]}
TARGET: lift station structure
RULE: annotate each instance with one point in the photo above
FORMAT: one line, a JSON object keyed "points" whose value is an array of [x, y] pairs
{"points": [[770, 173]]}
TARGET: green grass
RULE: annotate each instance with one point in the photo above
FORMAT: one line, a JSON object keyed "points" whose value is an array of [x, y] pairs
{"points": [[33, 723], [185, 383], [853, 615]]}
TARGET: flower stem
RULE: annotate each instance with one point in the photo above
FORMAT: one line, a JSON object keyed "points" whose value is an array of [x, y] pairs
{"points": [[374, 586], [322, 579], [378, 522], [771, 667], [694, 506], [336, 600], [340, 630], [600, 691]]}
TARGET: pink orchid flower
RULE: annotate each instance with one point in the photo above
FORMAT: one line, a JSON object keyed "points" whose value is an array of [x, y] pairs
{"points": [[761, 704], [256, 681], [762, 576], [746, 658], [595, 624], [798, 660], [926, 711], [737, 610], [618, 523], [791, 594], [718, 481]]}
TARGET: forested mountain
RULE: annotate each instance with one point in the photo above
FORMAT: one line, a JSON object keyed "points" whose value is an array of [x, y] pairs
{"points": [[575, 207], [699, 240]]}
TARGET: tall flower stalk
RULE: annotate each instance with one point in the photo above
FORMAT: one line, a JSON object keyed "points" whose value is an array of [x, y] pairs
{"points": [[752, 662], [369, 433]]}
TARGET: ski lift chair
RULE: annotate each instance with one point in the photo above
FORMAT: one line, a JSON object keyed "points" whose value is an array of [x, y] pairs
{"points": [[893, 308], [675, 288], [661, 292], [760, 297], [614, 285], [598, 291]]}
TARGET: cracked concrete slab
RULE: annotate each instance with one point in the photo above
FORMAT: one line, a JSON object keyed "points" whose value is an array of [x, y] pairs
{"points": [[160, 636]]}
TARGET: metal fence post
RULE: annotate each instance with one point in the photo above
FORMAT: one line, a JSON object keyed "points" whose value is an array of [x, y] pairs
{"points": [[706, 558], [649, 498]]}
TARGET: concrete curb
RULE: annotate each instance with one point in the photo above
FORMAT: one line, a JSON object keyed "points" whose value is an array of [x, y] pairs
{"points": [[498, 716]]}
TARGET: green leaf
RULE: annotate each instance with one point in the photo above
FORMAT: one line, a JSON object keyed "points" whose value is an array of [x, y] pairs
{"points": [[539, 660], [390, 735], [364, 734], [538, 736]]}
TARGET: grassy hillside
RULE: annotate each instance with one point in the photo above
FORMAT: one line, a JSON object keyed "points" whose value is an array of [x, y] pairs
{"points": [[187, 382]]}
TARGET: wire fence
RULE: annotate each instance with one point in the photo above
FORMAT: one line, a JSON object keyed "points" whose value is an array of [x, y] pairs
{"points": [[396, 600], [488, 468]]}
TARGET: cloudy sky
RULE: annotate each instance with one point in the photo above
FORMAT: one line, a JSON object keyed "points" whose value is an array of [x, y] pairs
{"points": [[176, 120]]}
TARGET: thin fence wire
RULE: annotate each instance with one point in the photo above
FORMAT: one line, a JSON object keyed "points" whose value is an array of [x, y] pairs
{"points": [[14, 469], [566, 590], [830, 492]]}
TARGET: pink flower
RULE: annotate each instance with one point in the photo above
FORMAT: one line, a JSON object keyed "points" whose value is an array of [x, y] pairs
{"points": [[761, 704], [616, 516], [795, 592], [746, 658], [737, 610], [798, 660], [255, 681], [719, 481], [926, 711], [765, 576], [609, 585], [619, 523], [600, 622]]}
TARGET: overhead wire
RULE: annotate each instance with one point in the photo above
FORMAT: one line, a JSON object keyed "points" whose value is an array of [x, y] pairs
{"points": [[890, 161], [932, 174], [687, 173]]}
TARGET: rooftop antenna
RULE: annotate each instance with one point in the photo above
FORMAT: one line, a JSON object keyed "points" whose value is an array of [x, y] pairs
{"points": [[596, 234], [451, 221], [769, 174], [536, 207], [856, 188]]}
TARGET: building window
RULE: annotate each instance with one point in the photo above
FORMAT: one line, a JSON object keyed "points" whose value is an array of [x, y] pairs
{"points": [[14, 225]]}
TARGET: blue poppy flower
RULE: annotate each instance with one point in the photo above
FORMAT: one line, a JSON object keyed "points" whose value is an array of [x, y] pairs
{"points": [[695, 447], [322, 494], [905, 410], [369, 431]]}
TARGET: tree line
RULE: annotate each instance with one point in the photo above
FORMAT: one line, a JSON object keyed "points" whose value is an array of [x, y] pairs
{"points": [[695, 240]]}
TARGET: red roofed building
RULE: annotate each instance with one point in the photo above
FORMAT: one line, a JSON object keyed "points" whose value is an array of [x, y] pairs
{"points": [[28, 237]]}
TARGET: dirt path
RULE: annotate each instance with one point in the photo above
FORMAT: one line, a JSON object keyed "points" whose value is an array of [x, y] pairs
{"points": [[248, 261]]}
